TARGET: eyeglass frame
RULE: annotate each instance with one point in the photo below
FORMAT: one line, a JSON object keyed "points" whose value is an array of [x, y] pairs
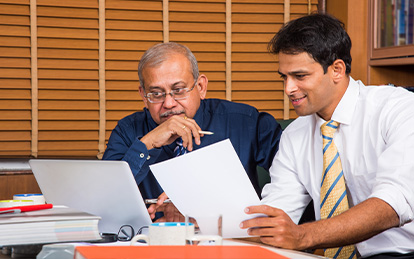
{"points": [[126, 236], [164, 94]]}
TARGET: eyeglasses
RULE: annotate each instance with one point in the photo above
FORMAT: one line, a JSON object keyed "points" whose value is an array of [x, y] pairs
{"points": [[126, 233], [177, 94]]}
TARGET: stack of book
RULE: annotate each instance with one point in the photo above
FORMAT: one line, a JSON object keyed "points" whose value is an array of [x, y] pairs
{"points": [[59, 224]]}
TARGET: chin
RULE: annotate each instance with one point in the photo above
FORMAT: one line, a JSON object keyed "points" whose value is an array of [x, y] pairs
{"points": [[302, 113]]}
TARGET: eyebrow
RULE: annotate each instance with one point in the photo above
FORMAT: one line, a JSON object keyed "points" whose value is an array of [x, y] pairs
{"points": [[161, 88], [293, 72]]}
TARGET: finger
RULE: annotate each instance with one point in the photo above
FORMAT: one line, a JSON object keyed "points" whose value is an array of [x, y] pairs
{"points": [[255, 222], [264, 231], [266, 221], [263, 209], [152, 209], [187, 138], [160, 201], [195, 131], [152, 215], [193, 128], [162, 219]]}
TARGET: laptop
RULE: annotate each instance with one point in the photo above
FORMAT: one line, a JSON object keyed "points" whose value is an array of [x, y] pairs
{"points": [[103, 188]]}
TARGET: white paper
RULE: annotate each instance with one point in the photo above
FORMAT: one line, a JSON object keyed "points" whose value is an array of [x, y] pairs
{"points": [[209, 181]]}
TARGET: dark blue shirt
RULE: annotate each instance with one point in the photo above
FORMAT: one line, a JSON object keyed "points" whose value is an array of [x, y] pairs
{"points": [[254, 135]]}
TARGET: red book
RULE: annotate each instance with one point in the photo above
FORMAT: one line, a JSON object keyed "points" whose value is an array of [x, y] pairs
{"points": [[174, 252]]}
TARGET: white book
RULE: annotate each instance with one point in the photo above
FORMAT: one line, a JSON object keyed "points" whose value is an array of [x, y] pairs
{"points": [[59, 224]]}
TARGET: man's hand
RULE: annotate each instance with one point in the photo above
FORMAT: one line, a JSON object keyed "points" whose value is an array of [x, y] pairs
{"points": [[171, 213], [277, 229], [357, 224], [173, 128]]}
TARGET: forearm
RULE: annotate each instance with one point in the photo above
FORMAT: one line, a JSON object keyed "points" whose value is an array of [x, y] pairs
{"points": [[359, 223]]}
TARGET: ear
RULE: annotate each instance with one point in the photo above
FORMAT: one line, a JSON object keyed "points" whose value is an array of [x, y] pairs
{"points": [[338, 70], [202, 86], [142, 93]]}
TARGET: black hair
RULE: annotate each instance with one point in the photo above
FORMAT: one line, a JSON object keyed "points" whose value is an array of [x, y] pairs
{"points": [[322, 36]]}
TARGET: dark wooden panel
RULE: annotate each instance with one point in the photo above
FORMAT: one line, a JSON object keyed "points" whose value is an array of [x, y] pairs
{"points": [[17, 182]]}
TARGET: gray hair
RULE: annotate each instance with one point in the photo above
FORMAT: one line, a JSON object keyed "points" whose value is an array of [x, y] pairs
{"points": [[158, 53]]}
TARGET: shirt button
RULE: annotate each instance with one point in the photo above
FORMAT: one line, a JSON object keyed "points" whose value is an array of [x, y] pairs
{"points": [[148, 158], [141, 155]]}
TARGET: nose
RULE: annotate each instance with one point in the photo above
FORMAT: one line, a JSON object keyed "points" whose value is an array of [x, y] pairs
{"points": [[169, 101], [290, 86]]}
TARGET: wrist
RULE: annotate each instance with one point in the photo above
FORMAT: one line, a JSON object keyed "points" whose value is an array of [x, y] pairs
{"points": [[307, 240], [148, 143]]}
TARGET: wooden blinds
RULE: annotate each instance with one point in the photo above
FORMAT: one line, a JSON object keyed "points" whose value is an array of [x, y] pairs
{"points": [[15, 78], [68, 69]]}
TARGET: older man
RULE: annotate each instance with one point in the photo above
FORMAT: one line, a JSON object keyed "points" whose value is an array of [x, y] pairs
{"points": [[176, 111]]}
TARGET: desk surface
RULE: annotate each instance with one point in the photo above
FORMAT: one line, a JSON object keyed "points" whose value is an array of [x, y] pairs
{"points": [[284, 252], [240, 242]]}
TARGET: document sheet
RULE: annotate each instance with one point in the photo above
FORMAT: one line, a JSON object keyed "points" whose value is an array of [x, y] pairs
{"points": [[209, 181]]}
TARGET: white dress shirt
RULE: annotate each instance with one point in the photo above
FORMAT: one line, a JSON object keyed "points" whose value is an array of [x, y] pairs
{"points": [[375, 141]]}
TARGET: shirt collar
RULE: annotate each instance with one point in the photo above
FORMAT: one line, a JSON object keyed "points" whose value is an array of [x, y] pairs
{"points": [[198, 117], [346, 107], [151, 123]]}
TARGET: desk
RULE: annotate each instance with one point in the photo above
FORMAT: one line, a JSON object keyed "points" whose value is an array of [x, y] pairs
{"points": [[239, 242], [284, 252]]}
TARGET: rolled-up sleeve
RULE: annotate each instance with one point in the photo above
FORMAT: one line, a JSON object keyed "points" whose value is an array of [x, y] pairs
{"points": [[395, 173]]}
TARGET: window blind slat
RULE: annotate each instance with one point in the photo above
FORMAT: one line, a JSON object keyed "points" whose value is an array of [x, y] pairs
{"points": [[68, 115], [67, 135], [66, 12], [66, 125], [15, 115]]}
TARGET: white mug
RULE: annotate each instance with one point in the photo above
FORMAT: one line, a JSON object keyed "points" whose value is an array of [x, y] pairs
{"points": [[165, 233]]}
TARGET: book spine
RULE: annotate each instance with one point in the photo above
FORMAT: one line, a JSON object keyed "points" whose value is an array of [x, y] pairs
{"points": [[410, 18], [401, 22]]}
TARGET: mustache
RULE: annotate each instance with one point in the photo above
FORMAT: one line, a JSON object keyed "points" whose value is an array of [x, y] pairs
{"points": [[168, 113]]}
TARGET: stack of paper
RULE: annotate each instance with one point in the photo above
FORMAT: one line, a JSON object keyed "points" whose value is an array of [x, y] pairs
{"points": [[48, 226]]}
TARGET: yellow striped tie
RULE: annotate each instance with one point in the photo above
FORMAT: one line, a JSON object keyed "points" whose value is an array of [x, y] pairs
{"points": [[333, 191]]}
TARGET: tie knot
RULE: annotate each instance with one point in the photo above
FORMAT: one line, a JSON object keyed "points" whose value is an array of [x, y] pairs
{"points": [[179, 142], [179, 149], [328, 128]]}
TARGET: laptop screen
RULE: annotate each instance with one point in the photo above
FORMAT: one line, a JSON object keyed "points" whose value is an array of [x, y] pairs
{"points": [[103, 188]]}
